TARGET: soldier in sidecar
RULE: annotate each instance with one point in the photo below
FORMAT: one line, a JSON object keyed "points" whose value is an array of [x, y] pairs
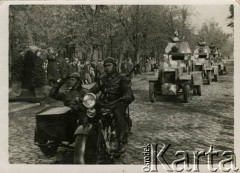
{"points": [[57, 124]]}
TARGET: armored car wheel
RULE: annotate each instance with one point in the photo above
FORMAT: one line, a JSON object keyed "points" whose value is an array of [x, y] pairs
{"points": [[186, 92], [215, 77], [209, 78], [48, 148], [225, 70], [152, 92], [199, 90], [220, 72], [195, 91]]}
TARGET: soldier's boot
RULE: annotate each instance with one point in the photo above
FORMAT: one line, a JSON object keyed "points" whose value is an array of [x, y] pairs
{"points": [[122, 143], [121, 147]]}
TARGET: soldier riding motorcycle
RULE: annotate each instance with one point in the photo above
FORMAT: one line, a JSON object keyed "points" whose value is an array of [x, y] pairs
{"points": [[97, 129], [104, 134], [114, 86]]}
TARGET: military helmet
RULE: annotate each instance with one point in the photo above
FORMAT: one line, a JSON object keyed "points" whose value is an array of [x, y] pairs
{"points": [[110, 60], [75, 75]]}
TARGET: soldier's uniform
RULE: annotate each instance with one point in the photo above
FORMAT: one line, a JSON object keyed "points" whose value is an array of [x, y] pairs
{"points": [[113, 87], [71, 98]]}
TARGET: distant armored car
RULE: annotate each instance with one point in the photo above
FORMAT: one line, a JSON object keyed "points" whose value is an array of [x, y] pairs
{"points": [[203, 63]]}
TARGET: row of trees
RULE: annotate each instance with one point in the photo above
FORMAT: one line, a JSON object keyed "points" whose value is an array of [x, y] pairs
{"points": [[99, 30]]}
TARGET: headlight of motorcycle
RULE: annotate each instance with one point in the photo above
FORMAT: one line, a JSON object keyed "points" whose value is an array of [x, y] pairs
{"points": [[89, 100]]}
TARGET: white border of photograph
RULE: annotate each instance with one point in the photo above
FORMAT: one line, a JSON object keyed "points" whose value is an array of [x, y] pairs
{"points": [[5, 167]]}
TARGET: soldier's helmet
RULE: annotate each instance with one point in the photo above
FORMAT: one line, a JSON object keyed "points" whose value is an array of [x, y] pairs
{"points": [[110, 60], [75, 75]]}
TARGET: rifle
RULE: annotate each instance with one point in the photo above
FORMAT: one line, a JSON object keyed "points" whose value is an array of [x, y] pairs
{"points": [[134, 68]]}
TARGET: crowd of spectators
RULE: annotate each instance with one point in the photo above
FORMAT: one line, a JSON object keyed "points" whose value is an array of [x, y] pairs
{"points": [[57, 65]]}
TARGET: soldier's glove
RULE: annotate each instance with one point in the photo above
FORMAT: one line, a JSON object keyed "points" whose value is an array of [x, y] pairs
{"points": [[127, 100], [85, 122], [63, 80], [60, 82]]}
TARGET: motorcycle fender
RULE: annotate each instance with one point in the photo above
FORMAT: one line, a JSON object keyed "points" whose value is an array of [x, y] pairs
{"points": [[83, 130], [197, 78]]}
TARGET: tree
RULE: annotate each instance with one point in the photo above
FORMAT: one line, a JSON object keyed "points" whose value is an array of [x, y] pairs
{"points": [[212, 33], [99, 31], [231, 16]]}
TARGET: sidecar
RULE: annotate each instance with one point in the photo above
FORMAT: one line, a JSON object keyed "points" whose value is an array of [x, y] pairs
{"points": [[53, 126]]}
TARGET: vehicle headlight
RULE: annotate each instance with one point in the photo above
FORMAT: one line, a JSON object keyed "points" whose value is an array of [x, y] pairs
{"points": [[89, 100]]}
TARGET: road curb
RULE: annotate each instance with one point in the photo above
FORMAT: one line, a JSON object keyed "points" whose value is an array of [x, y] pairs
{"points": [[140, 79], [23, 107]]}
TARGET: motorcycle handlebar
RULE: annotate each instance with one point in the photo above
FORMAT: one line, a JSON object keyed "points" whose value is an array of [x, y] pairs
{"points": [[113, 102]]}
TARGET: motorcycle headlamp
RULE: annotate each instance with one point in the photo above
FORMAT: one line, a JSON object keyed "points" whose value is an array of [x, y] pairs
{"points": [[89, 100]]}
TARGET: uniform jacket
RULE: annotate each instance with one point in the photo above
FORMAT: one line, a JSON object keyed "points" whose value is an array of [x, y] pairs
{"points": [[113, 87], [52, 72], [70, 97]]}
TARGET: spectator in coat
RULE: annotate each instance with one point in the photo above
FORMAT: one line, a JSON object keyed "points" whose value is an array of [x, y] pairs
{"points": [[100, 70], [129, 67], [63, 67], [52, 71], [74, 66], [28, 66], [86, 71]]}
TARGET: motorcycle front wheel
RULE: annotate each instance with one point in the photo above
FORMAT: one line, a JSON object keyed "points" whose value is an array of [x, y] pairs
{"points": [[48, 149], [86, 148]]}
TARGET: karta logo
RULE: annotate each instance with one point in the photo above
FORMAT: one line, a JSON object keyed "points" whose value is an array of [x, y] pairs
{"points": [[152, 157]]}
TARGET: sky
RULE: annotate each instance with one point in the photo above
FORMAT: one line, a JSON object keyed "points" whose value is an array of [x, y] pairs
{"points": [[218, 13]]}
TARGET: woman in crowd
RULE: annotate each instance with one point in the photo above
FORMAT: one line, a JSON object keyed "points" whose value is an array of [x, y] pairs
{"points": [[28, 66], [52, 72]]}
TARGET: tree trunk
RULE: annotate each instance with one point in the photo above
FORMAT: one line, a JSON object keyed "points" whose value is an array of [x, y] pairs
{"points": [[111, 46], [120, 60], [135, 56], [90, 54]]}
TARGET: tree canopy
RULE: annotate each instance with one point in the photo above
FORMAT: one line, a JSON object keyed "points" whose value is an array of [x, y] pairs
{"points": [[98, 31], [231, 16]]}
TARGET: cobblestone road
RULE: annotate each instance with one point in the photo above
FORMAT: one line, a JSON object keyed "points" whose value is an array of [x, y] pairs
{"points": [[206, 120]]}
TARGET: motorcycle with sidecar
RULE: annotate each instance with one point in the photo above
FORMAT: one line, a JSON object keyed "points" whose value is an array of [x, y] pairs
{"points": [[91, 141], [177, 77]]}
